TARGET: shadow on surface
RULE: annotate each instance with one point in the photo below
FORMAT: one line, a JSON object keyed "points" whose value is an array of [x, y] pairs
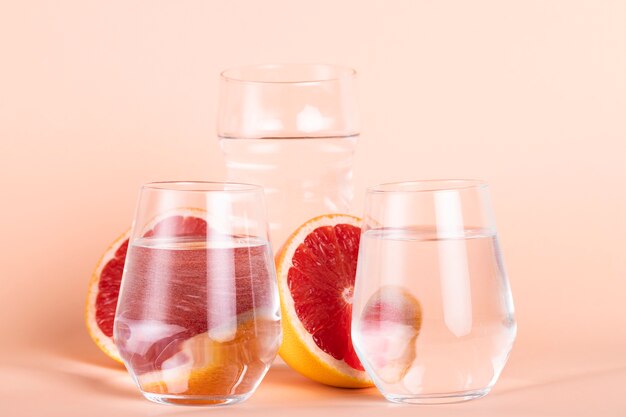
{"points": [[78, 361], [78, 346], [555, 381]]}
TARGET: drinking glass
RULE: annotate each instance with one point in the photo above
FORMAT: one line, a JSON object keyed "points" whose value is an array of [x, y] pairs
{"points": [[291, 128], [432, 315], [198, 317]]}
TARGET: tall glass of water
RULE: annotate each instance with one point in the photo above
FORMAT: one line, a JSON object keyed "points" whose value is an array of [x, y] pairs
{"points": [[432, 315], [198, 317], [292, 129]]}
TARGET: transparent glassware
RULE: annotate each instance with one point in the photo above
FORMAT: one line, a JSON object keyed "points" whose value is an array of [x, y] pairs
{"points": [[293, 129], [432, 316], [198, 316]]}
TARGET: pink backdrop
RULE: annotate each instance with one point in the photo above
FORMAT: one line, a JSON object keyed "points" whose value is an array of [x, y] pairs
{"points": [[97, 97]]}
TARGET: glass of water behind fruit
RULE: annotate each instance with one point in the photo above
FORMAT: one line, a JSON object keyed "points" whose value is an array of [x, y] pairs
{"points": [[293, 129], [432, 316], [198, 316]]}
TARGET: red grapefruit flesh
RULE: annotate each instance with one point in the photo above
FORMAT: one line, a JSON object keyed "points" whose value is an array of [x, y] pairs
{"points": [[321, 282], [109, 289]]}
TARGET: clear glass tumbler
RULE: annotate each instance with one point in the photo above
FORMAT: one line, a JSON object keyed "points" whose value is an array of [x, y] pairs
{"points": [[292, 129], [198, 317], [432, 317]]}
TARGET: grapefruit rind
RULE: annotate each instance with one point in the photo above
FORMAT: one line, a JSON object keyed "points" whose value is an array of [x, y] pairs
{"points": [[104, 342], [183, 211], [298, 349]]}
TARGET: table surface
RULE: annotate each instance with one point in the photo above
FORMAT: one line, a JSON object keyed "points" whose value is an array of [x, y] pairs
{"points": [[77, 380]]}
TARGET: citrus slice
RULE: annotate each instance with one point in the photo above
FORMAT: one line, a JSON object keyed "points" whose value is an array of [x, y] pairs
{"points": [[388, 330], [104, 286], [316, 269], [207, 367]]}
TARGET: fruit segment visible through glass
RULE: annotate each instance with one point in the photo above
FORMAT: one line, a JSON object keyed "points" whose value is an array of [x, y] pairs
{"points": [[432, 314], [198, 317], [211, 328]]}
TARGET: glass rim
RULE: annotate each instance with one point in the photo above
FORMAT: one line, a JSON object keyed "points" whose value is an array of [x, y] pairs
{"points": [[427, 186], [202, 186], [341, 73]]}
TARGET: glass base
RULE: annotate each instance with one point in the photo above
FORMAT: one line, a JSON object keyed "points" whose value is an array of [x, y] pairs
{"points": [[443, 398], [195, 399]]}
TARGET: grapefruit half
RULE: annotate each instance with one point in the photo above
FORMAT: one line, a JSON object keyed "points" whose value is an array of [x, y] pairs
{"points": [[104, 286], [316, 269]]}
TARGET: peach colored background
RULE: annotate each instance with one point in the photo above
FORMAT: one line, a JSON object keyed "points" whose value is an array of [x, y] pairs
{"points": [[97, 97]]}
